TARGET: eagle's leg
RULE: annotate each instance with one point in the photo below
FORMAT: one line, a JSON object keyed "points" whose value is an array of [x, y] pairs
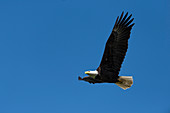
{"points": [[90, 80]]}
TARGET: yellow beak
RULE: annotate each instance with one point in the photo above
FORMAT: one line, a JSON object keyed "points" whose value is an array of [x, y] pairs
{"points": [[87, 72]]}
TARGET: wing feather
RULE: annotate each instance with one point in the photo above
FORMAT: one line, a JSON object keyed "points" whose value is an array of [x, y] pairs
{"points": [[116, 47]]}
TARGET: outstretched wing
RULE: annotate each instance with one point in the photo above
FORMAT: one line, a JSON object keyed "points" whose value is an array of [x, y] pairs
{"points": [[116, 47]]}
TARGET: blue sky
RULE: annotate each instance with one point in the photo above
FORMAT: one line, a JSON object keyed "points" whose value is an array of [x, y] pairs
{"points": [[46, 45]]}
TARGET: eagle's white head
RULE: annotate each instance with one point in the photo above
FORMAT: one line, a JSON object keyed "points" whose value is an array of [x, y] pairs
{"points": [[92, 73]]}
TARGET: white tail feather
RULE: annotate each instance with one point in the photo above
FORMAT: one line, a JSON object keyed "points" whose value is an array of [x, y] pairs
{"points": [[125, 82]]}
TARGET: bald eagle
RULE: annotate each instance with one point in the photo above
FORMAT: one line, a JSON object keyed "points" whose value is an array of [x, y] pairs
{"points": [[114, 54]]}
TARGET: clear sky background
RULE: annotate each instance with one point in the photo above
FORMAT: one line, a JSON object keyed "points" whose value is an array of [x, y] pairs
{"points": [[46, 44]]}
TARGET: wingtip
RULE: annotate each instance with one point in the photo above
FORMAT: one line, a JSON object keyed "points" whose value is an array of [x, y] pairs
{"points": [[122, 13], [131, 25]]}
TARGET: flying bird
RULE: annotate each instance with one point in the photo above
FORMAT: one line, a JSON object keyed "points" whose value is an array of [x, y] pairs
{"points": [[114, 54]]}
